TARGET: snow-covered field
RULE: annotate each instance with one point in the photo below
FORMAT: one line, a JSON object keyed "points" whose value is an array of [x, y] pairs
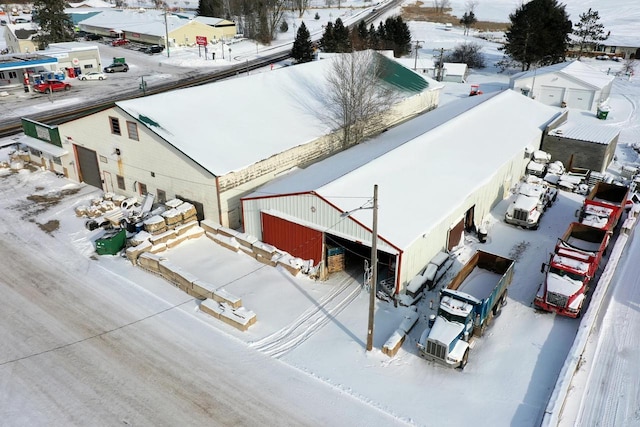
{"points": [[94, 340]]}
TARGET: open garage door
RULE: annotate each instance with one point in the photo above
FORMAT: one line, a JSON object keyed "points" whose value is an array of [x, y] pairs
{"points": [[551, 95], [580, 98]]}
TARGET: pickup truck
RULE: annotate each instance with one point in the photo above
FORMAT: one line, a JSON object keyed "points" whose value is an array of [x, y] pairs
{"points": [[570, 269], [467, 306], [532, 200]]}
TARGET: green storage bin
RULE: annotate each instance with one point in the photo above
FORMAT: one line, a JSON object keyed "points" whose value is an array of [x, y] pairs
{"points": [[602, 114], [112, 242]]}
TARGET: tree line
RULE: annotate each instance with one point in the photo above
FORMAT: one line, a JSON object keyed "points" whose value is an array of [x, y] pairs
{"points": [[392, 34]]}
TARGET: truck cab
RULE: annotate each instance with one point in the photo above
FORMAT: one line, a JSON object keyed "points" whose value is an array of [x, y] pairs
{"points": [[533, 198], [448, 340]]}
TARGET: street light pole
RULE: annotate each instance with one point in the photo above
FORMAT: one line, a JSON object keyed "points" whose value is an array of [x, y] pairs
{"points": [[374, 268]]}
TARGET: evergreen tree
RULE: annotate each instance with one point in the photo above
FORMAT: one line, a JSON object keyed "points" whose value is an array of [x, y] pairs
{"points": [[211, 8], [328, 41], [589, 30], [381, 35], [341, 37], [398, 36], [467, 21], [302, 47], [55, 25], [539, 33], [359, 37], [372, 38]]}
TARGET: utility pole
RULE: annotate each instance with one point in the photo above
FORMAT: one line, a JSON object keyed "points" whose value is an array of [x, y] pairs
{"points": [[166, 31], [415, 62], [374, 268], [440, 66]]}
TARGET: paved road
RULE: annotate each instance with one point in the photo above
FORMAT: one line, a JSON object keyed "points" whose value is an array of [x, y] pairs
{"points": [[83, 346]]}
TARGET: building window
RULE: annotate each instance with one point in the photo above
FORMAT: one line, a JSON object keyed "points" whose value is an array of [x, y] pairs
{"points": [[120, 180], [132, 129], [162, 196], [115, 125], [143, 188], [613, 49], [13, 75], [2, 75], [57, 161], [87, 66]]}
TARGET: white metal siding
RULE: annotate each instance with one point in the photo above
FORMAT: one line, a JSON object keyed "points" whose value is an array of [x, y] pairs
{"points": [[551, 95], [580, 98]]}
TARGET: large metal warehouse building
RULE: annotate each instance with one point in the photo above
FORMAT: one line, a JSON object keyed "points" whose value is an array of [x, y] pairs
{"points": [[437, 174]]}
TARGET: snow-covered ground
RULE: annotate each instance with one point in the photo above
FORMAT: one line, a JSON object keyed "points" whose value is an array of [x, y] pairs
{"points": [[86, 326]]}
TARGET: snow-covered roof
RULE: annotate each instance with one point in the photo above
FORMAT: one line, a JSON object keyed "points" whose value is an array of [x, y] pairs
{"points": [[229, 125], [92, 3], [143, 21], [208, 20], [576, 69], [451, 68], [581, 131], [438, 158], [622, 41]]}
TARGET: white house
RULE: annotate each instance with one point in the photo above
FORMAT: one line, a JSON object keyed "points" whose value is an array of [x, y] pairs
{"points": [[438, 175], [451, 72], [567, 84]]}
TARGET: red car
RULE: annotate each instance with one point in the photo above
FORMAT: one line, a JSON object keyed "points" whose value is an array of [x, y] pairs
{"points": [[49, 86], [119, 42]]}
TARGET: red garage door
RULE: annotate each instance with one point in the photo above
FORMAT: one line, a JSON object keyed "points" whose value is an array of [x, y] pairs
{"points": [[299, 241]]}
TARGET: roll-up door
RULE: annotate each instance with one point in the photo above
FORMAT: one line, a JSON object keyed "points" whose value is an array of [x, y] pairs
{"points": [[299, 241]]}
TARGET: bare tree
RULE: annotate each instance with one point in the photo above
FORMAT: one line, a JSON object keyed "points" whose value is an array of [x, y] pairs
{"points": [[357, 98], [441, 6], [300, 6], [275, 12]]}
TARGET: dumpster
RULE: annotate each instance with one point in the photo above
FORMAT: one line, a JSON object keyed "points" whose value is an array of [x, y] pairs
{"points": [[111, 242], [602, 113]]}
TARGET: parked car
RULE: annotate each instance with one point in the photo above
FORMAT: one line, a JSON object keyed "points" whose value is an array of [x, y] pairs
{"points": [[156, 48], [93, 75], [93, 37], [3, 22], [49, 86], [119, 42], [20, 21], [117, 66]]}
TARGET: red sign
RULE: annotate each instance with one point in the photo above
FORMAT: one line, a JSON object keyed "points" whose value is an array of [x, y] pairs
{"points": [[201, 40]]}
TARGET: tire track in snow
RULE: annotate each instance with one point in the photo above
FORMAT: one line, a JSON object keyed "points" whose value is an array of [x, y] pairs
{"points": [[310, 321]]}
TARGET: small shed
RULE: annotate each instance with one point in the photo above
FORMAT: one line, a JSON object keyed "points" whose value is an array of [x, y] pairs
{"points": [[567, 84], [579, 144]]}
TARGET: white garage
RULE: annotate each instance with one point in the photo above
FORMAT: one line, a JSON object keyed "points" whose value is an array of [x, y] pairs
{"points": [[567, 84]]}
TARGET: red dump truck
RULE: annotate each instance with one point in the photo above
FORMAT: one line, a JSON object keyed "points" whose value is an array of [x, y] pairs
{"points": [[603, 205], [571, 267]]}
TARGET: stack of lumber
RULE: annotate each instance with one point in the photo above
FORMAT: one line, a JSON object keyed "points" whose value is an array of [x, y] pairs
{"points": [[396, 339], [240, 318], [155, 225]]}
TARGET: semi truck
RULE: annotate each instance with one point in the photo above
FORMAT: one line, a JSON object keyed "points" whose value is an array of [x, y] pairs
{"points": [[603, 205], [571, 267], [533, 198], [467, 306]]}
